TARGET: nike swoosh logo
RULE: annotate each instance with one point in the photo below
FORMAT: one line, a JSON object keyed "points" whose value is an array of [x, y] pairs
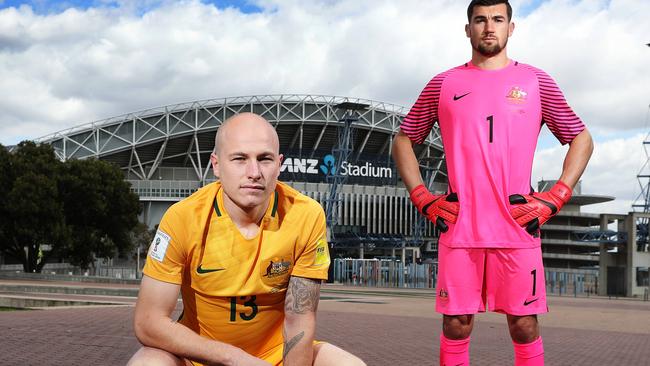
{"points": [[201, 270], [456, 98], [526, 303]]}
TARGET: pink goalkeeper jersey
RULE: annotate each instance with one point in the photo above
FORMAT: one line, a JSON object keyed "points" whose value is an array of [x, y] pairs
{"points": [[490, 121]]}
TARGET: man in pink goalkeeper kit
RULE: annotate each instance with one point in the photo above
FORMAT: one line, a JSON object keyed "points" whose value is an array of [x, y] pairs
{"points": [[490, 112]]}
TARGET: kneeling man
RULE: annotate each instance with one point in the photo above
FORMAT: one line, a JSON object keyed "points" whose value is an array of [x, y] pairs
{"points": [[248, 255]]}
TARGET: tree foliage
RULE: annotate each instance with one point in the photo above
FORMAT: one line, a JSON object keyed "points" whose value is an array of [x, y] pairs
{"points": [[83, 209], [100, 210]]}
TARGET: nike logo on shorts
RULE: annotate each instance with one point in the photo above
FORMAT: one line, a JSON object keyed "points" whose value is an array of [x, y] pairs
{"points": [[526, 303]]}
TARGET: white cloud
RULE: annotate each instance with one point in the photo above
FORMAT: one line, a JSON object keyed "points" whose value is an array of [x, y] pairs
{"points": [[596, 52], [76, 66], [612, 171]]}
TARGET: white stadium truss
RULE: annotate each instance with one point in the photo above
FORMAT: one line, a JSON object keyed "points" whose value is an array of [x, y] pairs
{"points": [[182, 135]]}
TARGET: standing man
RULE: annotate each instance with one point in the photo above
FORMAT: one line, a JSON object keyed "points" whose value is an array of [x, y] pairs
{"points": [[490, 111], [248, 255]]}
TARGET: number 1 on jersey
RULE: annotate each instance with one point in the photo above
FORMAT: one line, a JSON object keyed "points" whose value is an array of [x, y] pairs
{"points": [[491, 120]]}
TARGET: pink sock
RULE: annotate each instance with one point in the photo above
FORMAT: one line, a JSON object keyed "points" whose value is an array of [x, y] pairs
{"points": [[529, 354], [454, 352]]}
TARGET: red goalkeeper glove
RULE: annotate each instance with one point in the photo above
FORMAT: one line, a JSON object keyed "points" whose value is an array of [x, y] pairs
{"points": [[438, 208], [532, 211]]}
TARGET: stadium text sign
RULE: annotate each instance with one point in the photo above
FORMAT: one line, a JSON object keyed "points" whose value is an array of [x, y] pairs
{"points": [[365, 170], [297, 165], [328, 167]]}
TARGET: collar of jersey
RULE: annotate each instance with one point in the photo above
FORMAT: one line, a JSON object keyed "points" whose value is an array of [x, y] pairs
{"points": [[511, 63], [270, 215]]}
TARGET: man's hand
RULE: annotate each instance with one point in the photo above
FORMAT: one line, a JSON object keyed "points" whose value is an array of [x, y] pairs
{"points": [[437, 208], [245, 359], [532, 211]]}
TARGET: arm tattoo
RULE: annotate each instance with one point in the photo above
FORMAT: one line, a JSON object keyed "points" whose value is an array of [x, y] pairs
{"points": [[302, 295], [288, 345]]}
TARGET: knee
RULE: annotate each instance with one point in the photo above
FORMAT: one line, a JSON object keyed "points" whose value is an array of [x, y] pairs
{"points": [[353, 361], [523, 329], [326, 354], [147, 356], [457, 327]]}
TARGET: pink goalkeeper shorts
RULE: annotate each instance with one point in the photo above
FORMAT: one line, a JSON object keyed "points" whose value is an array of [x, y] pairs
{"points": [[509, 281]]}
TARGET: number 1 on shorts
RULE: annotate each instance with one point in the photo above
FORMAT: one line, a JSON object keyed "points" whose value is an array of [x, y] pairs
{"points": [[534, 273]]}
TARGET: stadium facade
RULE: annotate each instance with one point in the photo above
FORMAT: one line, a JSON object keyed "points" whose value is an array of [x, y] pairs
{"points": [[164, 153]]}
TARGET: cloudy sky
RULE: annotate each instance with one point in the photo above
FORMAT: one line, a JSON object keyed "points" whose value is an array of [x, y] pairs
{"points": [[65, 63]]}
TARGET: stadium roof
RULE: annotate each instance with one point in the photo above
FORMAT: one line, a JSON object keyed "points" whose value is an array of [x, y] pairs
{"points": [[182, 135]]}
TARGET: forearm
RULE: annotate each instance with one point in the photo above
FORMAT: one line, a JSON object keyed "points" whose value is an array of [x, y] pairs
{"points": [[299, 331], [300, 308], [173, 337], [154, 328], [406, 161], [577, 158]]}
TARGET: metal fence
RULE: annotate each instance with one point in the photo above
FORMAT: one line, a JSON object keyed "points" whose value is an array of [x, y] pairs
{"points": [[113, 271], [363, 272], [394, 273], [384, 273], [571, 283]]}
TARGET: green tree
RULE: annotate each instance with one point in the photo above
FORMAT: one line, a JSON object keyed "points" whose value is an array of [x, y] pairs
{"points": [[100, 211], [6, 182], [32, 214], [83, 209]]}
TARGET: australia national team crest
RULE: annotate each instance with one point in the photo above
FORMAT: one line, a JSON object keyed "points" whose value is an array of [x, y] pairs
{"points": [[275, 268], [516, 95], [443, 294]]}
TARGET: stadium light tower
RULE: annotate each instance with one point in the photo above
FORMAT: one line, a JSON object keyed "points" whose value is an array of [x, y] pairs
{"points": [[642, 202], [341, 153]]}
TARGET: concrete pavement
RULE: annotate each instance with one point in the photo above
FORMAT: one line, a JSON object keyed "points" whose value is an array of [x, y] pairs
{"points": [[382, 326]]}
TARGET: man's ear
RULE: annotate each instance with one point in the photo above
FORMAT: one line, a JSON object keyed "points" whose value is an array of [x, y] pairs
{"points": [[215, 164], [467, 32], [280, 160], [511, 28]]}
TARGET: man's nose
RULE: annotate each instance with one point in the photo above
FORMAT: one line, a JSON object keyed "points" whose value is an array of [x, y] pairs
{"points": [[489, 26], [253, 169]]}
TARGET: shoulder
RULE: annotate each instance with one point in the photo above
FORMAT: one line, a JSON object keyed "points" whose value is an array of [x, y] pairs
{"points": [[291, 200], [196, 202], [537, 72], [439, 78]]}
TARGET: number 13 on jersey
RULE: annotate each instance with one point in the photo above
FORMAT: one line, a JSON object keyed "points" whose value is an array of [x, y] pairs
{"points": [[247, 302]]}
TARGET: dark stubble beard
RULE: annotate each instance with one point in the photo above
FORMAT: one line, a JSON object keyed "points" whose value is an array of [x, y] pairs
{"points": [[490, 51]]}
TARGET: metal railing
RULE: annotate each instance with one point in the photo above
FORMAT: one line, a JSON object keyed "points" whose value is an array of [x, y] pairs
{"points": [[394, 273], [384, 273], [571, 283]]}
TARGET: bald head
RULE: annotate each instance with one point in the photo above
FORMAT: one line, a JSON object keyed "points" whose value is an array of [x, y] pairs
{"points": [[246, 123], [247, 161]]}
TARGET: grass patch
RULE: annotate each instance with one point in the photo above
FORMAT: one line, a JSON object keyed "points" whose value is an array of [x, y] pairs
{"points": [[4, 308]]}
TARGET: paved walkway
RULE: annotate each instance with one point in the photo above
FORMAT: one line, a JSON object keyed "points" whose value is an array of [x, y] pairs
{"points": [[384, 327]]}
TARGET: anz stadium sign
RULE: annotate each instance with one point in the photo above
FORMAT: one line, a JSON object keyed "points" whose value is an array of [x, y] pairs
{"points": [[367, 170]]}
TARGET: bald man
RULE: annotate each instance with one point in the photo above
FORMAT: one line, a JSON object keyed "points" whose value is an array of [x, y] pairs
{"points": [[248, 254]]}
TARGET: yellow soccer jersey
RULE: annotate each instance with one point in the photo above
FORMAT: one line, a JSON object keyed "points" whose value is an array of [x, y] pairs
{"points": [[234, 288]]}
